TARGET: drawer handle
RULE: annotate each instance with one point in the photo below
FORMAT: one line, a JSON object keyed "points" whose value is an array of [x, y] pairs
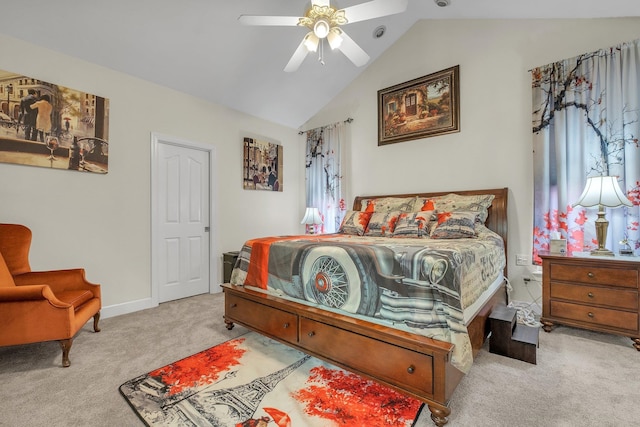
{"points": [[311, 334], [591, 275], [590, 294], [411, 369], [590, 314], [234, 305], [286, 325]]}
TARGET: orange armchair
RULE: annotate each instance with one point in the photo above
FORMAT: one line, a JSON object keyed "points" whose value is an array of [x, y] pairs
{"points": [[45, 305]]}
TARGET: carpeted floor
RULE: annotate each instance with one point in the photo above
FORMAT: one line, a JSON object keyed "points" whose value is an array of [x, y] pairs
{"points": [[582, 378]]}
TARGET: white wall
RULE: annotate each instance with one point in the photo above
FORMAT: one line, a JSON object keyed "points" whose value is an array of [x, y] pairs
{"points": [[102, 222], [493, 148]]}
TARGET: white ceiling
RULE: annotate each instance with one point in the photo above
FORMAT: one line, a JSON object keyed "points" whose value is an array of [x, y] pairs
{"points": [[198, 46]]}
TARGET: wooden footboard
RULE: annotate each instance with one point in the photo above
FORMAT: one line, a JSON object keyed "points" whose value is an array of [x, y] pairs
{"points": [[412, 364]]}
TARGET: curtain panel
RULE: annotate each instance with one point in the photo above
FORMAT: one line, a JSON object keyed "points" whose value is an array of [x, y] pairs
{"points": [[324, 174], [586, 123]]}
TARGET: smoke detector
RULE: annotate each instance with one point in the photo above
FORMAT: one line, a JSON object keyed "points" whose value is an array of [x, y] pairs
{"points": [[379, 31], [442, 3]]}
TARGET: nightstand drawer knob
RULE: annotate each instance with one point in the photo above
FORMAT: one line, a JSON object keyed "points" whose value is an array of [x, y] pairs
{"points": [[286, 325], [590, 314], [590, 294], [411, 369], [591, 275], [311, 334]]}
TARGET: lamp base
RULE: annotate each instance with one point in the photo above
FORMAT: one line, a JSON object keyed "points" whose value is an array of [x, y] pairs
{"points": [[602, 252], [601, 233]]}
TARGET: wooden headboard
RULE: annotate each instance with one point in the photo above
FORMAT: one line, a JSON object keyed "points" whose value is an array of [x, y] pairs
{"points": [[496, 221]]}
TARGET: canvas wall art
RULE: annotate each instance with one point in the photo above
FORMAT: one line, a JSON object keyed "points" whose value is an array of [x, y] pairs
{"points": [[262, 165], [47, 125], [420, 108]]}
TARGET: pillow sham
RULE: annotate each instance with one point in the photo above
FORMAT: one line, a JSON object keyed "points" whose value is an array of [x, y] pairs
{"points": [[388, 204], [455, 225], [422, 204], [413, 224], [382, 224], [355, 223], [479, 203]]}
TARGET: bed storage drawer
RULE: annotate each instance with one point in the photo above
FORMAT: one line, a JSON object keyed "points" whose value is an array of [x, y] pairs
{"points": [[268, 320], [390, 363]]}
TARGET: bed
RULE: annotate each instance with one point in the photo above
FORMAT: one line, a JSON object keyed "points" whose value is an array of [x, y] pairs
{"points": [[402, 295]]}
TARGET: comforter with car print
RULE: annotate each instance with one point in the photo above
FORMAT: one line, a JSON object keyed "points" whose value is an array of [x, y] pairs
{"points": [[420, 285]]}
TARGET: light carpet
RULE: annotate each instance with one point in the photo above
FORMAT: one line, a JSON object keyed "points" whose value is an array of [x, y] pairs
{"points": [[582, 379]]}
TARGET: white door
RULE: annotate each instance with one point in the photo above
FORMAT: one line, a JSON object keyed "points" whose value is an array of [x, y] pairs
{"points": [[181, 200]]}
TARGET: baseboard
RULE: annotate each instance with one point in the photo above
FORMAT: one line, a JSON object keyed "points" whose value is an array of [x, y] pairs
{"points": [[126, 308], [141, 304]]}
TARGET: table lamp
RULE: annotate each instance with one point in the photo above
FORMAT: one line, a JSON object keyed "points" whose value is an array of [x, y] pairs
{"points": [[603, 191], [312, 218]]}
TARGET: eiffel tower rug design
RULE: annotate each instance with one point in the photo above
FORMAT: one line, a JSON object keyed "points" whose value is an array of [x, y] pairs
{"points": [[253, 381]]}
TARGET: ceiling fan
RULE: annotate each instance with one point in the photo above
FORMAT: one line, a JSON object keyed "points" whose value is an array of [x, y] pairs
{"points": [[324, 22]]}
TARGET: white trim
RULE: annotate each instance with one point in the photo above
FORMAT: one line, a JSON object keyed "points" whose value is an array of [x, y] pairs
{"points": [[158, 138], [126, 308]]}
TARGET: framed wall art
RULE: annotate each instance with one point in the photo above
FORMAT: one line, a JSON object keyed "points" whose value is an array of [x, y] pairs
{"points": [[47, 125], [420, 108], [262, 165]]}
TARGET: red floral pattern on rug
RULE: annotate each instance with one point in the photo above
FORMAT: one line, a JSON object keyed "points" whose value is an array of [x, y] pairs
{"points": [[200, 369], [348, 399]]}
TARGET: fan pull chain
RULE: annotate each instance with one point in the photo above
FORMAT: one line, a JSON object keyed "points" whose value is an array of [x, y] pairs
{"points": [[321, 50]]}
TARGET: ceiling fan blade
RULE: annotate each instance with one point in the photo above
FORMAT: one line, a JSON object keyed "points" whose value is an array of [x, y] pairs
{"points": [[320, 2], [283, 21], [374, 9], [297, 58], [352, 51]]}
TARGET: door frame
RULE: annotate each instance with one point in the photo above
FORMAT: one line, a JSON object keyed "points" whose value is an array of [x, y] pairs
{"points": [[156, 140]]}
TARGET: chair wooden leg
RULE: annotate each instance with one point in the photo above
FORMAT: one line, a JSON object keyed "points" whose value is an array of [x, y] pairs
{"points": [[96, 319], [66, 346]]}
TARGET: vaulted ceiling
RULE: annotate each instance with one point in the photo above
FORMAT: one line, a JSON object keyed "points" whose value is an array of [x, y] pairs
{"points": [[199, 47]]}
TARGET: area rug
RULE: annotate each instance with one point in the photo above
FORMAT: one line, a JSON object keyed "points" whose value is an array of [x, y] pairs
{"points": [[253, 381]]}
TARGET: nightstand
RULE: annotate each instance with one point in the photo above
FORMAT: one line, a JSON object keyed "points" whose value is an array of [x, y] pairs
{"points": [[595, 293], [228, 262]]}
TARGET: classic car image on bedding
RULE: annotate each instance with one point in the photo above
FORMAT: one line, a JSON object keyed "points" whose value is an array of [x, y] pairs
{"points": [[408, 285], [416, 265]]}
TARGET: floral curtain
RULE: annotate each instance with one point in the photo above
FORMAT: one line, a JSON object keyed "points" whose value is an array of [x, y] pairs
{"points": [[324, 175], [586, 122]]}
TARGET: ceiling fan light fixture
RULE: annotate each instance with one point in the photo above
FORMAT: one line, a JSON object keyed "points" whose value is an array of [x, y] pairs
{"points": [[321, 28], [334, 38], [324, 21], [311, 42]]}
